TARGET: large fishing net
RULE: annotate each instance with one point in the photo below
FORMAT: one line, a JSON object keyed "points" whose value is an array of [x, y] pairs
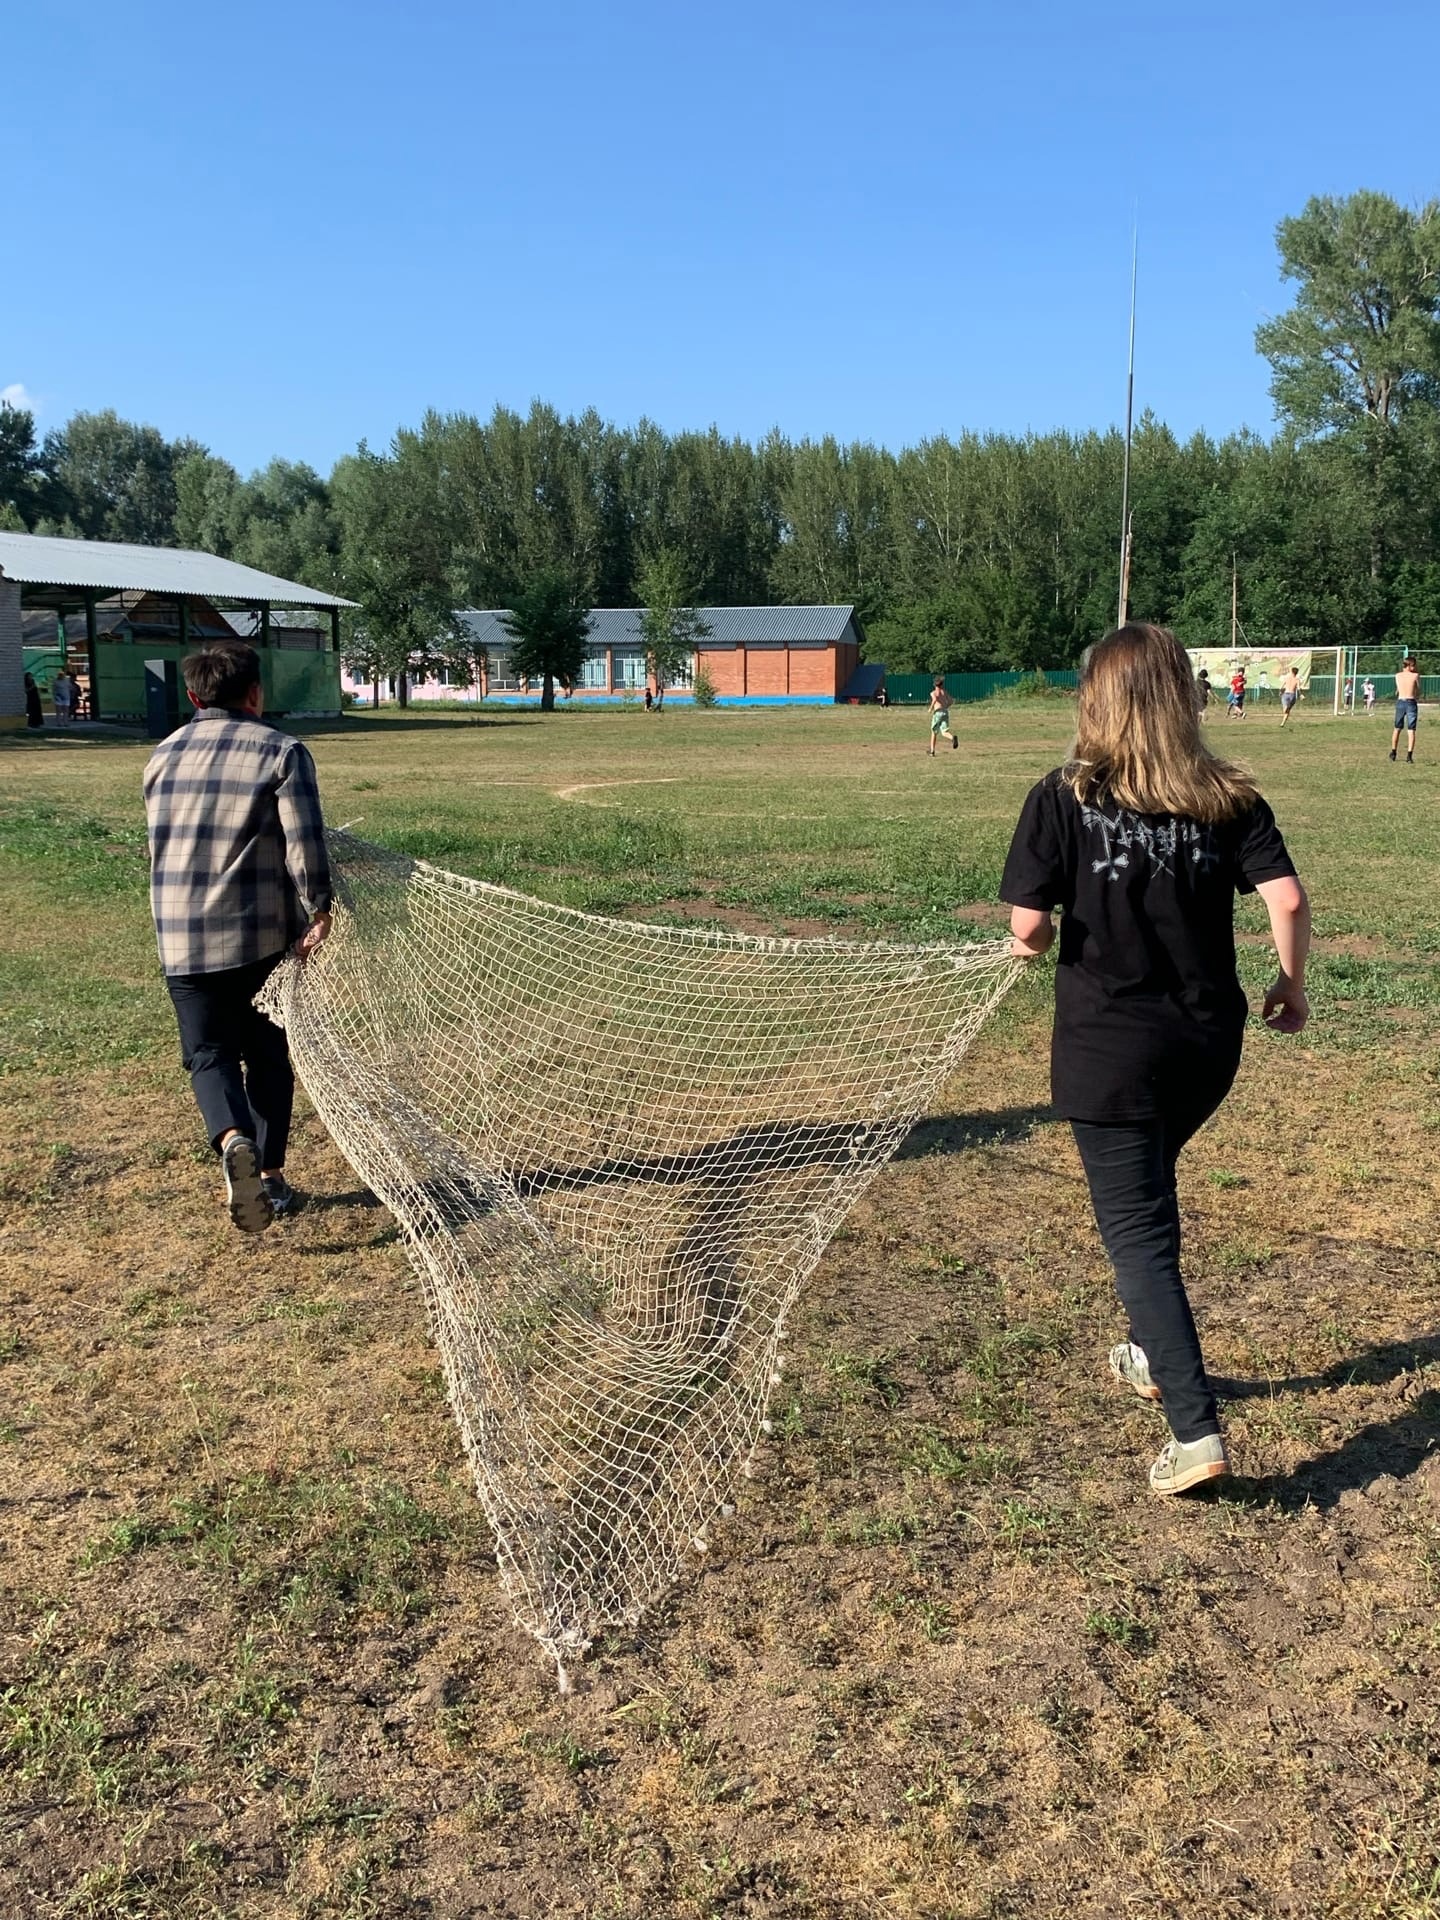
{"points": [[615, 1152]]}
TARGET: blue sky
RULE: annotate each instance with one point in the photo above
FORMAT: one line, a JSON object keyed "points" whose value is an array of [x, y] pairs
{"points": [[281, 228]]}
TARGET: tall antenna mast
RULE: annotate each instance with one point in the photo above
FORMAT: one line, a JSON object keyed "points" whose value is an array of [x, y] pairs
{"points": [[1125, 529]]}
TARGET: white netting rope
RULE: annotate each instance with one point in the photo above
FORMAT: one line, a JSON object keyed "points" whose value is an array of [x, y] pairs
{"points": [[615, 1152]]}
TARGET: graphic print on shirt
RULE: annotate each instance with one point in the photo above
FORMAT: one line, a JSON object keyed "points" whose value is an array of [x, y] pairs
{"points": [[1128, 836]]}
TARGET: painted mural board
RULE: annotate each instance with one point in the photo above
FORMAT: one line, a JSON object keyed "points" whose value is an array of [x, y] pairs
{"points": [[1264, 667]]}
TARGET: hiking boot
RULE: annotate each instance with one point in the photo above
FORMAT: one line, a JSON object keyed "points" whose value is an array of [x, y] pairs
{"points": [[1187, 1463], [1392, 753], [1132, 1369], [249, 1209], [282, 1196]]}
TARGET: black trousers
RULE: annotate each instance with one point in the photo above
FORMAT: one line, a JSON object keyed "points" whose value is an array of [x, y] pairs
{"points": [[238, 1062], [1131, 1174]]}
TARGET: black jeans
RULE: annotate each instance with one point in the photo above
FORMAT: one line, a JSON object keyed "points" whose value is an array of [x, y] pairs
{"points": [[1131, 1173], [238, 1062]]}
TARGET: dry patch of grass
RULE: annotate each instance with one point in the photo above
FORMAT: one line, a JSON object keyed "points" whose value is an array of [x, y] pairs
{"points": [[948, 1659]]}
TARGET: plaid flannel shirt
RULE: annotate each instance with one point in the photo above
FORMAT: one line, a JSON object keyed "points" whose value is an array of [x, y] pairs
{"points": [[238, 865]]}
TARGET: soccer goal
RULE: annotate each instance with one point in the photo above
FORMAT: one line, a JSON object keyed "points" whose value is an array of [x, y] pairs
{"points": [[1322, 672], [1376, 667]]}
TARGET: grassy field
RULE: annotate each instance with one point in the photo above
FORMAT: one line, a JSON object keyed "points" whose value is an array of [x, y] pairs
{"points": [[949, 1658]]}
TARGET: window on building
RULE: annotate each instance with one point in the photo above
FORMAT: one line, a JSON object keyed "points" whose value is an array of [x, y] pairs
{"points": [[592, 674], [630, 668], [503, 678]]}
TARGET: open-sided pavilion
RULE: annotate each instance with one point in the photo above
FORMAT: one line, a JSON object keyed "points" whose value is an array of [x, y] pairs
{"points": [[175, 594]]}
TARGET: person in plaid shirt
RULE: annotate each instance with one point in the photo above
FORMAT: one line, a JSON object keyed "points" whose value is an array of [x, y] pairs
{"points": [[238, 875]]}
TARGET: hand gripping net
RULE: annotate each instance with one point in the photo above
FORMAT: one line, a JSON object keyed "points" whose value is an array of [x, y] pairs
{"points": [[615, 1152]]}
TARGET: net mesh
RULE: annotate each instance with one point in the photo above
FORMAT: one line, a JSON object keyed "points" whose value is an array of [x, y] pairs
{"points": [[615, 1152]]}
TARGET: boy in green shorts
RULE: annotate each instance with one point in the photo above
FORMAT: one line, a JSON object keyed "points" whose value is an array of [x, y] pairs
{"points": [[940, 716]]}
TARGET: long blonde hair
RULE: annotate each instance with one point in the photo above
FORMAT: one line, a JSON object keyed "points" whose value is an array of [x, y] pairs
{"points": [[1137, 732]]}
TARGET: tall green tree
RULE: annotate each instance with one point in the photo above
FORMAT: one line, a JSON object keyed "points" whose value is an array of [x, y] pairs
{"points": [[21, 473], [1358, 355], [669, 624], [549, 630], [1362, 342], [395, 562], [287, 524], [837, 525], [113, 479], [208, 494]]}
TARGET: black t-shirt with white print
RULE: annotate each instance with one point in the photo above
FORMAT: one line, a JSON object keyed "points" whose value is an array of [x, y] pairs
{"points": [[1148, 1005]]}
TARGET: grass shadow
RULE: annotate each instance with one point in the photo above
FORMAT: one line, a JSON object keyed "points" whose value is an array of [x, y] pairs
{"points": [[327, 1202], [1396, 1448], [354, 728], [1373, 1368], [954, 1132], [97, 734]]}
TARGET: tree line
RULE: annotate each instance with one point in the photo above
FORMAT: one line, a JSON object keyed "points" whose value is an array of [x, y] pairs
{"points": [[966, 552]]}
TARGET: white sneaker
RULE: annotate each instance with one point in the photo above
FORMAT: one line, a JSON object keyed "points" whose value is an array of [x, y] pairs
{"points": [[1132, 1369], [1186, 1463]]}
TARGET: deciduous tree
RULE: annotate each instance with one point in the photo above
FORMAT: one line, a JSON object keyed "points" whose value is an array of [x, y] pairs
{"points": [[549, 630], [21, 478], [671, 627]]}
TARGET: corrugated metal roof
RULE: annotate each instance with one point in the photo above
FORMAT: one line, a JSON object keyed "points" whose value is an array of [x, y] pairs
{"points": [[777, 626], [109, 566], [729, 626]]}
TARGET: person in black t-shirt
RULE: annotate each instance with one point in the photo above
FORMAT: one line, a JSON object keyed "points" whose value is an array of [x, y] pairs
{"points": [[1142, 841]]}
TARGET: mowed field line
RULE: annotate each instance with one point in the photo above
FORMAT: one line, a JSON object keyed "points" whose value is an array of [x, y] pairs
{"points": [[947, 1660], [595, 786]]}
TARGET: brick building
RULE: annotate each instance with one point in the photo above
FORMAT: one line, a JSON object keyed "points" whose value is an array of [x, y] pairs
{"points": [[754, 656]]}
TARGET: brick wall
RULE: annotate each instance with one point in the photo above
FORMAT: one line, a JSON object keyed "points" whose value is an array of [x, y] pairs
{"points": [[726, 668], [12, 656], [813, 670], [767, 672], [773, 672]]}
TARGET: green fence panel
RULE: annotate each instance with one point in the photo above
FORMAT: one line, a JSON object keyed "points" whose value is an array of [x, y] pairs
{"points": [[42, 664], [295, 680], [913, 689], [301, 682], [119, 691]]}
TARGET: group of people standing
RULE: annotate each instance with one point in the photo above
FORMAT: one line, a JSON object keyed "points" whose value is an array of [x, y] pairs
{"points": [[66, 696]]}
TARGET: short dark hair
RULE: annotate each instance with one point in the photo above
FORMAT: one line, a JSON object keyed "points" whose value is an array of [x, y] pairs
{"points": [[222, 675]]}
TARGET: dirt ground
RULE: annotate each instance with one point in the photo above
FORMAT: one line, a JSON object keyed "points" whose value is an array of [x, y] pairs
{"points": [[949, 1659]]}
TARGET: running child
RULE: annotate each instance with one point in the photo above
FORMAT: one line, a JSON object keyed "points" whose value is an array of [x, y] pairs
{"points": [[1237, 694], [1369, 692], [940, 716], [1142, 840], [1289, 693]]}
